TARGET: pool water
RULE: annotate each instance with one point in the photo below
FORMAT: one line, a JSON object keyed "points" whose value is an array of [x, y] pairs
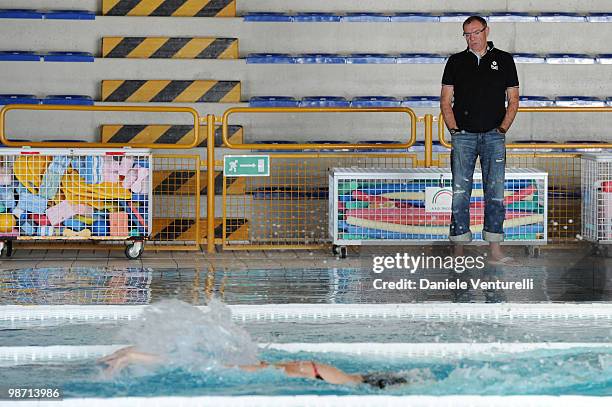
{"points": [[335, 330], [198, 346], [577, 371]]}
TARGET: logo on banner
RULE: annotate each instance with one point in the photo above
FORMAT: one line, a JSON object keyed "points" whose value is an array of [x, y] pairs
{"points": [[438, 199]]}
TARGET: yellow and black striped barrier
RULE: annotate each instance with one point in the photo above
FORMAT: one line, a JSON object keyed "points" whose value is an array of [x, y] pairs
{"points": [[183, 229], [170, 8], [164, 134], [170, 47], [183, 182], [194, 91]]}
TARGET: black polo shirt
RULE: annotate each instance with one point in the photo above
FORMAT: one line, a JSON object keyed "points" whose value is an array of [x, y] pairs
{"points": [[480, 87]]}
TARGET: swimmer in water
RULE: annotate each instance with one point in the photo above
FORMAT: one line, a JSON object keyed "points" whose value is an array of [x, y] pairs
{"points": [[304, 369]]}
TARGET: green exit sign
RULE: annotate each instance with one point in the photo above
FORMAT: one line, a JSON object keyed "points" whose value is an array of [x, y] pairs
{"points": [[246, 165]]}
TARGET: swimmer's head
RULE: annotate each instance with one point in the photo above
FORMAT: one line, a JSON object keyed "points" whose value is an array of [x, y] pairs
{"points": [[382, 380]]}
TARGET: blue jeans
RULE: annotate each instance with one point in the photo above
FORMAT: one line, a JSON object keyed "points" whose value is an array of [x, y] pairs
{"points": [[491, 148]]}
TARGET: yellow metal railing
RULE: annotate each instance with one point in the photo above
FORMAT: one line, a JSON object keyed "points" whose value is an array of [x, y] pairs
{"points": [[302, 146], [310, 166], [531, 146], [289, 204], [147, 109]]}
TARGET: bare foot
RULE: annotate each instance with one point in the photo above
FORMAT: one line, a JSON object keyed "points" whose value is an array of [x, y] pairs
{"points": [[497, 256], [458, 250]]}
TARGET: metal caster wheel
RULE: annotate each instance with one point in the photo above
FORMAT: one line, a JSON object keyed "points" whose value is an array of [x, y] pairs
{"points": [[339, 251], [134, 250], [605, 251], [595, 250], [533, 251]]}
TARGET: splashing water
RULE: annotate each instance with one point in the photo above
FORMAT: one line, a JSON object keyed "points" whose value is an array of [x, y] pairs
{"points": [[187, 337]]}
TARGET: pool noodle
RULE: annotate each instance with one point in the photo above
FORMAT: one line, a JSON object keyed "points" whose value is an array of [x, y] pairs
{"points": [[419, 186], [435, 230], [476, 193], [418, 216]]}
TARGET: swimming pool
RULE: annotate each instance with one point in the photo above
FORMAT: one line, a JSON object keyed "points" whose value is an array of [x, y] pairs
{"points": [[450, 353]]}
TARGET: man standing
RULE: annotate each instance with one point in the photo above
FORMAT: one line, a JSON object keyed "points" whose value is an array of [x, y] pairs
{"points": [[475, 85]]}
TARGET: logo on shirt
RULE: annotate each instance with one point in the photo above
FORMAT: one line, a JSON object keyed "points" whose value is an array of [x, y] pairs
{"points": [[494, 65]]}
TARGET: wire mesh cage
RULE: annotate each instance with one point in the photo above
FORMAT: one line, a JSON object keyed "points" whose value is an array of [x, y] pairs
{"points": [[374, 206], [288, 209], [82, 286], [75, 194], [596, 176]]}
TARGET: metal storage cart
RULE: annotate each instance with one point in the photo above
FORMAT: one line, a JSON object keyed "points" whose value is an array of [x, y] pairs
{"points": [[596, 185], [413, 206], [75, 194]]}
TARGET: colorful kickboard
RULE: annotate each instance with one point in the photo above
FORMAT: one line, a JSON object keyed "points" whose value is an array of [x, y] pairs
{"points": [[435, 230]]}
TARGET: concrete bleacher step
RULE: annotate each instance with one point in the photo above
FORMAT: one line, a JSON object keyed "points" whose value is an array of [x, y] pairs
{"points": [[413, 101], [170, 47], [448, 17], [408, 58], [170, 8], [297, 80], [56, 56], [180, 91], [12, 99], [48, 14]]}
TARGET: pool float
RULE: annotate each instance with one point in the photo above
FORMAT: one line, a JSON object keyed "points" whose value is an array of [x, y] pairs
{"points": [[39, 218], [348, 186], [29, 202], [88, 220], [436, 230], [45, 231], [100, 228], [74, 224], [30, 169], [76, 190], [420, 217], [6, 178], [509, 197], [354, 204], [85, 233], [529, 206], [136, 218], [50, 183], [7, 222], [90, 168], [7, 197]]}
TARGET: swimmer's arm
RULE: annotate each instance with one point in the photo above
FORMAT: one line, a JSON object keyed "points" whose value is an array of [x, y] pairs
{"points": [[126, 356], [253, 368]]}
